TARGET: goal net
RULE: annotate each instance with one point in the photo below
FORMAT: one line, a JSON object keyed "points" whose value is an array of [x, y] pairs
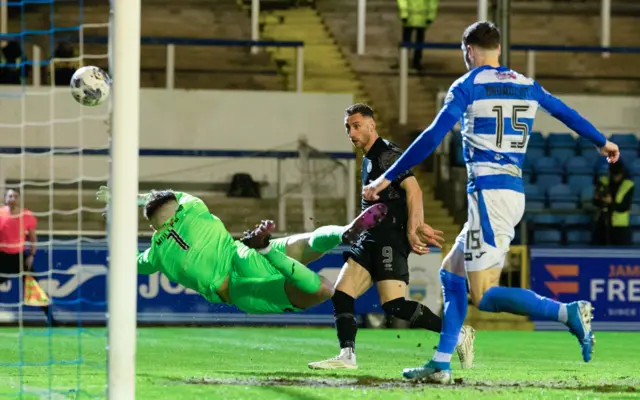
{"points": [[53, 156]]}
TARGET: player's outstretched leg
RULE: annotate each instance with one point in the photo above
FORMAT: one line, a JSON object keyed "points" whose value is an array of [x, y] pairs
{"points": [[306, 288], [576, 316], [308, 247]]}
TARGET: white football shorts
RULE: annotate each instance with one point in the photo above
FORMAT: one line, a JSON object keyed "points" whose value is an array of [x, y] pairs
{"points": [[490, 227]]}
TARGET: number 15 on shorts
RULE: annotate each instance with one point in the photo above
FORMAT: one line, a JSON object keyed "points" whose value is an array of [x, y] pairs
{"points": [[473, 240]]}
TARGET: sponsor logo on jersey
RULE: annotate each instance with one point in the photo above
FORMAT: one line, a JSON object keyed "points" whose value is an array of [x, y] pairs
{"points": [[449, 98], [506, 75]]}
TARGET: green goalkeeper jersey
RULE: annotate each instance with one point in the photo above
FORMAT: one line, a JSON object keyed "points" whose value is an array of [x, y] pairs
{"points": [[192, 248]]}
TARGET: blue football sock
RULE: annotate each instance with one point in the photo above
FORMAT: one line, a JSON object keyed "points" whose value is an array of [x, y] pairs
{"points": [[522, 302], [454, 288]]}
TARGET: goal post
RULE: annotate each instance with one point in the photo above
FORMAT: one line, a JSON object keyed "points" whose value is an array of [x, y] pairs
{"points": [[123, 212]]}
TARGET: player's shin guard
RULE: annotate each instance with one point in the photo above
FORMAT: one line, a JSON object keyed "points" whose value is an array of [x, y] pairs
{"points": [[522, 302], [417, 314], [326, 238], [295, 272], [344, 311], [454, 288]]}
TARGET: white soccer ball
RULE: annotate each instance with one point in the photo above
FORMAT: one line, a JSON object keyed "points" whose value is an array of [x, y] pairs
{"points": [[90, 86]]}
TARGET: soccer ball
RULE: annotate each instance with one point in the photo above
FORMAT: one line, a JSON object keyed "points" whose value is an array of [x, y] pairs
{"points": [[90, 86]]}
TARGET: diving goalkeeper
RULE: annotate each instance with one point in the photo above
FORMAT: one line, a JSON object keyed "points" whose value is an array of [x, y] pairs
{"points": [[258, 275]]}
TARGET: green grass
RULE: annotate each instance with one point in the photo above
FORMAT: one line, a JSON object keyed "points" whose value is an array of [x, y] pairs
{"points": [[271, 363]]}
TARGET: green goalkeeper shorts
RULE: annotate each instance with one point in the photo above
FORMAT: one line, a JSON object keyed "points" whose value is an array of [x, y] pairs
{"points": [[255, 286]]}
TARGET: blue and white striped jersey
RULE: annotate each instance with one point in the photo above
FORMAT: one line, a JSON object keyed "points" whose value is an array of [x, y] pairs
{"points": [[497, 107]]}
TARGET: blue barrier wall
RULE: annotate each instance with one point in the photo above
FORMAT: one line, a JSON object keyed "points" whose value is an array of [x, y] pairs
{"points": [[608, 278]]}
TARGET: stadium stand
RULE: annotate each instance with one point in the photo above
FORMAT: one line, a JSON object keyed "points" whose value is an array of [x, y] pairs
{"points": [[197, 67]]}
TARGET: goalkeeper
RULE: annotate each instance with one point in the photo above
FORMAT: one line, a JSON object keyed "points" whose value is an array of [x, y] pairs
{"points": [[258, 275]]}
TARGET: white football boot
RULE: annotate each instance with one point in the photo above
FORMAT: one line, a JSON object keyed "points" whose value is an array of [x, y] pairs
{"points": [[466, 349], [345, 360]]}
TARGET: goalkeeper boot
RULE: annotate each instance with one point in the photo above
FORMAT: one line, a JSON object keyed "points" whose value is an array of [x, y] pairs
{"points": [[466, 349], [367, 220], [579, 316], [345, 360], [431, 372], [260, 236]]}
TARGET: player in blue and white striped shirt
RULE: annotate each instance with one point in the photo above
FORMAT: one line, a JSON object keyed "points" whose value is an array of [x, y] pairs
{"points": [[497, 107]]}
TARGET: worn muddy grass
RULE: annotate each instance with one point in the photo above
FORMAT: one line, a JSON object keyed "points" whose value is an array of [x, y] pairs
{"points": [[271, 363]]}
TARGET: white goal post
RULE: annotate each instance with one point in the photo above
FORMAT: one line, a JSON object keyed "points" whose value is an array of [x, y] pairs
{"points": [[124, 60]]}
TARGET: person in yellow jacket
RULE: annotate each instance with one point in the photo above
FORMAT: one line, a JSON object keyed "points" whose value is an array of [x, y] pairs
{"points": [[416, 16], [614, 196]]}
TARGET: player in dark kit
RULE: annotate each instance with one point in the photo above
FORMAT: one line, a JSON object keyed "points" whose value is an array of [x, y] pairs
{"points": [[381, 254]]}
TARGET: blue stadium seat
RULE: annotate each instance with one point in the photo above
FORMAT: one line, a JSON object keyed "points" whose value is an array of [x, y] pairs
{"points": [[586, 194], [585, 146], [561, 197], [636, 182], [547, 165], [628, 157], [635, 167], [592, 157], [562, 155], [561, 192], [578, 182], [547, 236], [635, 220], [636, 237], [578, 237], [528, 164], [560, 140], [625, 140], [533, 193], [636, 197], [545, 181], [527, 177], [547, 219], [534, 205], [602, 166], [577, 219], [536, 140], [578, 165], [534, 154]]}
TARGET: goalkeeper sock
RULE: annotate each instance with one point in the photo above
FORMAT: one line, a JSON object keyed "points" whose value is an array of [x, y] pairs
{"points": [[326, 238], [297, 273], [454, 288], [344, 312], [417, 314], [522, 302]]}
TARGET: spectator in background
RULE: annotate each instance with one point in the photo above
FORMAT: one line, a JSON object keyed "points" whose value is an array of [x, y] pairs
{"points": [[416, 16], [67, 64], [16, 223], [613, 196], [11, 54]]}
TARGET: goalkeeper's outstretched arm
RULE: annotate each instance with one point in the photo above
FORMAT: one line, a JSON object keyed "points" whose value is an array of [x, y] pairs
{"points": [[104, 194]]}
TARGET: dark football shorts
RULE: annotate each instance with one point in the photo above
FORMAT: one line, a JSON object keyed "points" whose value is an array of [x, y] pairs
{"points": [[383, 253], [9, 264]]}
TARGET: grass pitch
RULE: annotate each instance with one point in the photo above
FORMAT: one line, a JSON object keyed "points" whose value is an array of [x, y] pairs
{"points": [[271, 363]]}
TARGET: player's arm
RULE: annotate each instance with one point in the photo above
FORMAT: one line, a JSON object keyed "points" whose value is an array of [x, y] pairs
{"points": [[104, 194], [420, 234], [415, 209], [576, 122], [144, 263], [455, 103]]}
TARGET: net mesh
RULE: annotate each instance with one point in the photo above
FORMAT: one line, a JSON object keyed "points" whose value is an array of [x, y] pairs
{"points": [[55, 152]]}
